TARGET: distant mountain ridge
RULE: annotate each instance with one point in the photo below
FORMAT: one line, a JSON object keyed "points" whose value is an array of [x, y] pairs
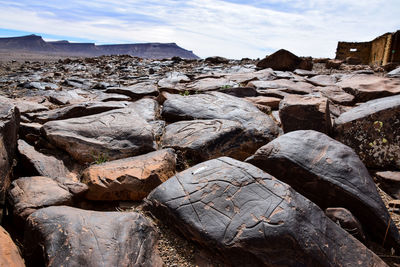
{"points": [[36, 44]]}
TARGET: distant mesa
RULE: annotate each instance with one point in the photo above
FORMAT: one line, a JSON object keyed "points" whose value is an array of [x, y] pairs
{"points": [[35, 44]]}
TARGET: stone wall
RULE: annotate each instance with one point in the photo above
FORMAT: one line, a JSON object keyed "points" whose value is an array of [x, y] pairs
{"points": [[353, 49], [380, 47], [395, 48]]}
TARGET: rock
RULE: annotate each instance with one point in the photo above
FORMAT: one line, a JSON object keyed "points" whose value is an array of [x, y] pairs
{"points": [[75, 111], [65, 236], [372, 130], [201, 140], [210, 84], [333, 64], [9, 253], [147, 108], [174, 80], [308, 112], [283, 60], [215, 105], [331, 175], [135, 91], [366, 87], [29, 106], [112, 135], [323, 80], [272, 102], [336, 95], [9, 123], [306, 73], [284, 85], [130, 178], [394, 73], [347, 221], [389, 181], [216, 60], [35, 163], [239, 91], [28, 194], [253, 219], [29, 132], [65, 97]]}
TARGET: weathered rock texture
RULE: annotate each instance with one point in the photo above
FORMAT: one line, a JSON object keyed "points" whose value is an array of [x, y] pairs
{"points": [[345, 219], [215, 105], [130, 178], [305, 113], [28, 194], [112, 135], [284, 60], [9, 253], [373, 131], [65, 236], [331, 175], [9, 123], [252, 219], [201, 140]]}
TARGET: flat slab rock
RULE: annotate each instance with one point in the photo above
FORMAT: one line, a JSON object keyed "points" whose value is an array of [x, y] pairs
{"points": [[202, 140], [135, 91], [373, 131], [9, 253], [331, 175], [112, 135], [253, 219], [28, 194], [65, 236], [37, 163], [366, 87], [131, 178], [215, 105]]}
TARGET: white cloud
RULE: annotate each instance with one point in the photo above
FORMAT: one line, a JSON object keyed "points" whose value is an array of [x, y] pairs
{"points": [[215, 27]]}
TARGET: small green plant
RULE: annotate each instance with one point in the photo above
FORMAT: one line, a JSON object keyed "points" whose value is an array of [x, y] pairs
{"points": [[99, 158], [186, 93], [226, 86]]}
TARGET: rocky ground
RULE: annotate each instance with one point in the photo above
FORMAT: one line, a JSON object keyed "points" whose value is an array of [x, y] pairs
{"points": [[121, 161]]}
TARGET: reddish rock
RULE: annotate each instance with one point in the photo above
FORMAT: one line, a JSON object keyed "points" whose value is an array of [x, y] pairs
{"points": [[130, 178], [305, 113], [9, 253], [272, 102], [345, 219]]}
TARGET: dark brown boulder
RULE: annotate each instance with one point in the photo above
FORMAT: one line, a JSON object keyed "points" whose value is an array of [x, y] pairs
{"points": [[9, 123], [331, 175], [253, 219], [200, 140], [389, 181], [216, 105], [65, 236], [307, 112], [9, 253], [131, 178], [345, 219], [28, 194], [373, 130], [216, 60], [107, 136], [285, 61]]}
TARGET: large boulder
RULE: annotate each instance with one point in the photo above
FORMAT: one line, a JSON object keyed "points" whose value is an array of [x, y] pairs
{"points": [[130, 178], [215, 105], [110, 135], [28, 194], [285, 61], [308, 112], [331, 175], [373, 131], [253, 219], [201, 140], [9, 253], [65, 236], [366, 87], [9, 123]]}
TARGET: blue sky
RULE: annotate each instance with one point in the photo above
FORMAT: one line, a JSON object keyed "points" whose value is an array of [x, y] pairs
{"points": [[230, 28]]}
